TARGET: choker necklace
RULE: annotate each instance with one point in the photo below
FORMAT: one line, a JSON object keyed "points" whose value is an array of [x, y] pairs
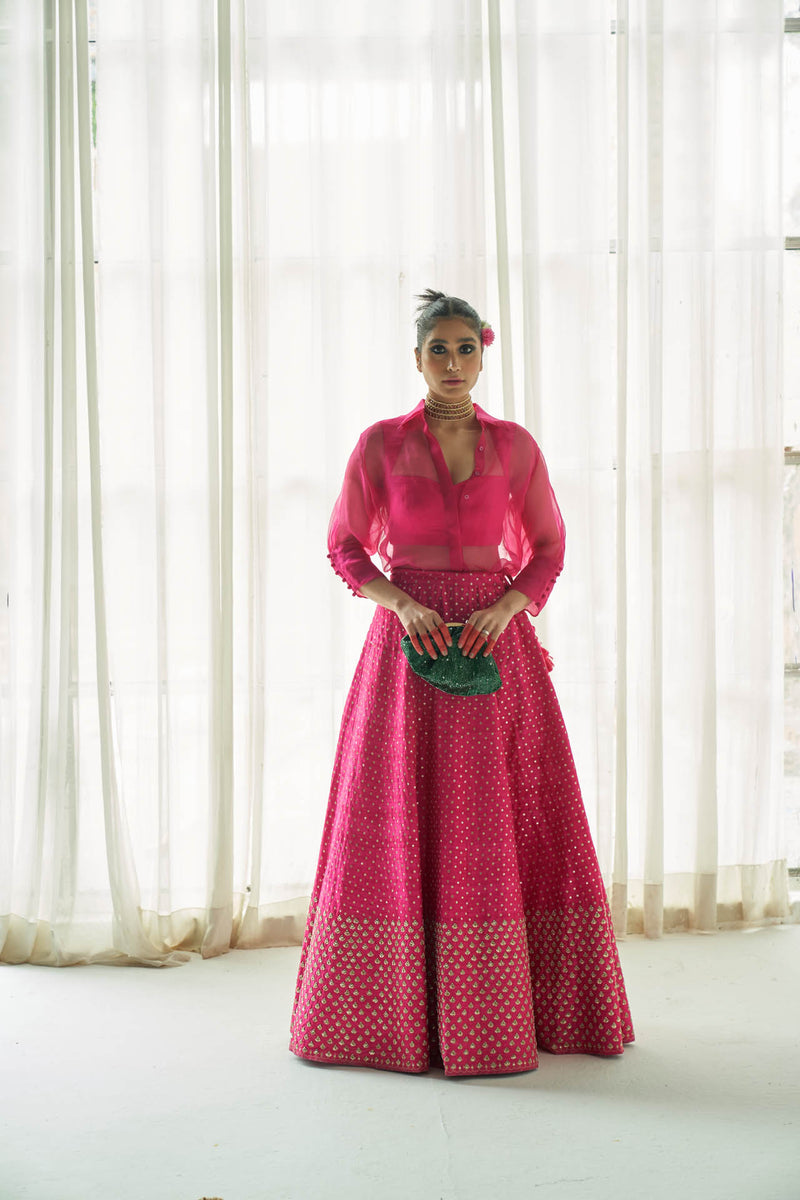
{"points": [[442, 411]]}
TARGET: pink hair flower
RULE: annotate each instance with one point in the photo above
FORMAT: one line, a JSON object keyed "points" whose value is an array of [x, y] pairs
{"points": [[487, 334]]}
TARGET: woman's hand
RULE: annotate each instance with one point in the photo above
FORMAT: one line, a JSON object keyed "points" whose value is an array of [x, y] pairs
{"points": [[420, 623], [423, 625], [490, 622]]}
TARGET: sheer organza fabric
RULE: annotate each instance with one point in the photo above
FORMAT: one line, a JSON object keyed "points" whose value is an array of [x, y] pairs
{"points": [[399, 501]]}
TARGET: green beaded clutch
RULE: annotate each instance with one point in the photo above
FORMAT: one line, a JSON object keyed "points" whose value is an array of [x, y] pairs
{"points": [[454, 672]]}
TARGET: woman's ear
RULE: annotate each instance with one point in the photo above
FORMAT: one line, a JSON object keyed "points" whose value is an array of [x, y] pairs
{"points": [[418, 357]]}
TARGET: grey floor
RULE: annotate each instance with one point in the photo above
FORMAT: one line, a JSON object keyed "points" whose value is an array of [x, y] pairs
{"points": [[135, 1084]]}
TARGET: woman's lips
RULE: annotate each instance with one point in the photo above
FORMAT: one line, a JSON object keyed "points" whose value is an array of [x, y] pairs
{"points": [[454, 380]]}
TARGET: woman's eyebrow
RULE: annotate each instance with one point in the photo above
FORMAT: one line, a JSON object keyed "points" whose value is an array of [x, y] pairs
{"points": [[444, 342]]}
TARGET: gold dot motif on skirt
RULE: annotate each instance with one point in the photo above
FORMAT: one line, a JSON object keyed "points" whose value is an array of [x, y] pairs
{"points": [[458, 917]]}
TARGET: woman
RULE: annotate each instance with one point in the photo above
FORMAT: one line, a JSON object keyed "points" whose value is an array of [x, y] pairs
{"points": [[458, 917]]}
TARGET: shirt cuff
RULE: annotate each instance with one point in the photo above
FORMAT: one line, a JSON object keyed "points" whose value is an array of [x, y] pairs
{"points": [[536, 581], [355, 575]]}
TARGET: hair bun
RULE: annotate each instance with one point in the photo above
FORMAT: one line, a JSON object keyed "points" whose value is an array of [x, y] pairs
{"points": [[429, 296]]}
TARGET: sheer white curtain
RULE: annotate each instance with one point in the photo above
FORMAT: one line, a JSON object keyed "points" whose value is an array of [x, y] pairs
{"points": [[700, 426], [193, 349], [652, 377]]}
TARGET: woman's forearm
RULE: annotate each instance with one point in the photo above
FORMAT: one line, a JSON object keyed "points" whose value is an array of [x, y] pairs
{"points": [[513, 601], [383, 592]]}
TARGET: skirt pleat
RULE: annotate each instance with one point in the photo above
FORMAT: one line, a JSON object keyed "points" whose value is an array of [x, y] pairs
{"points": [[458, 916]]}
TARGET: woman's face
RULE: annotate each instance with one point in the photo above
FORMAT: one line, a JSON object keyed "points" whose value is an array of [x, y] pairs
{"points": [[451, 359]]}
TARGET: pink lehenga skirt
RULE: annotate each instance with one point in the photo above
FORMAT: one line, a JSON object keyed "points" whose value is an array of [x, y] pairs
{"points": [[458, 917]]}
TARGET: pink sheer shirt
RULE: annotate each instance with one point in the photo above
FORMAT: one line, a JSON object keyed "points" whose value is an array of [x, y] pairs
{"points": [[398, 500]]}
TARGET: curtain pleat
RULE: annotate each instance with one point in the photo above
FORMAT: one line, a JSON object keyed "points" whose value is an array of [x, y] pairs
{"points": [[220, 848], [204, 317], [499, 171], [619, 886]]}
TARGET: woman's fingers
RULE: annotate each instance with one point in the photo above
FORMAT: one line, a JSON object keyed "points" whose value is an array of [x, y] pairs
{"points": [[477, 635], [433, 638], [478, 644], [438, 637], [416, 638], [471, 640], [467, 638], [466, 632], [428, 644]]}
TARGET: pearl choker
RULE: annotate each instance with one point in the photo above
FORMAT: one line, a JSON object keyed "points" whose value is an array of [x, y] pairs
{"points": [[441, 410]]}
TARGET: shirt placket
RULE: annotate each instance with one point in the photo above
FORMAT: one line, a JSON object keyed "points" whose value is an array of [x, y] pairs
{"points": [[457, 495]]}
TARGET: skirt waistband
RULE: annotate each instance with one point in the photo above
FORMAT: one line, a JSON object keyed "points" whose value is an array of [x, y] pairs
{"points": [[435, 573]]}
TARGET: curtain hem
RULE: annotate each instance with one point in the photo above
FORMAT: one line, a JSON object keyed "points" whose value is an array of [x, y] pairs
{"points": [[182, 933]]}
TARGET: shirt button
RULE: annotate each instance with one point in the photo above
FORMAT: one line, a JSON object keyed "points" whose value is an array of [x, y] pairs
{"points": [[477, 471], [480, 447], [466, 495]]}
